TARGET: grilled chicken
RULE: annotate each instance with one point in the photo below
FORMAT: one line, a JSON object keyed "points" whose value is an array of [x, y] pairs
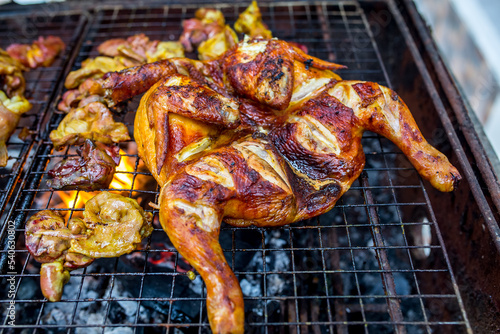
{"points": [[42, 52], [93, 169], [265, 135], [93, 121], [113, 225]]}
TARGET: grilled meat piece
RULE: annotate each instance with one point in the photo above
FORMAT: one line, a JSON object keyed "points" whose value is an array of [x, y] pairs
{"points": [[96, 68], [93, 169], [12, 81], [93, 121], [141, 49], [208, 33], [206, 24], [270, 170], [250, 23], [10, 113], [113, 225], [42, 52]]}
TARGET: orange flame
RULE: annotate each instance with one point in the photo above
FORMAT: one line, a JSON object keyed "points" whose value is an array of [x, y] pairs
{"points": [[122, 180]]}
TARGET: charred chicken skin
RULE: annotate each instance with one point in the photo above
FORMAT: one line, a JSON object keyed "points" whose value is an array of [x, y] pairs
{"points": [[265, 135], [112, 225]]}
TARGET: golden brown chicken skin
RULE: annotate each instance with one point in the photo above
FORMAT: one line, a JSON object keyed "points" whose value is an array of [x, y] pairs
{"points": [[295, 151]]}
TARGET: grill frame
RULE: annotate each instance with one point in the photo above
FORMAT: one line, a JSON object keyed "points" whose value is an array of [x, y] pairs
{"points": [[42, 150]]}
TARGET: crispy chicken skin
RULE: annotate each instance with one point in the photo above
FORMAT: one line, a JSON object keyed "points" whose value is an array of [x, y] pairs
{"points": [[42, 52], [113, 225], [92, 169], [265, 135]]}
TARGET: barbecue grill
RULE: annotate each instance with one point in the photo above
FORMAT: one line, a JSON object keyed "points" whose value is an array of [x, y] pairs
{"points": [[394, 255]]}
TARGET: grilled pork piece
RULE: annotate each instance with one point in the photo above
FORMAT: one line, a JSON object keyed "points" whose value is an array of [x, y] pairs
{"points": [[112, 225], [42, 52], [265, 135], [93, 169]]}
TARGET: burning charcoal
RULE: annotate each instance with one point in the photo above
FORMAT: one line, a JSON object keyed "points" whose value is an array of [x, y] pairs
{"points": [[93, 169]]}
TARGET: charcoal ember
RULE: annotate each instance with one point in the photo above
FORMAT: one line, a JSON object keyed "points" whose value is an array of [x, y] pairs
{"points": [[93, 169]]}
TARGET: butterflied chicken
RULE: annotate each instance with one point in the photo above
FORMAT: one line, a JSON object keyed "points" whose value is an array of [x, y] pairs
{"points": [[112, 225], [42, 52], [93, 169], [93, 121], [265, 135]]}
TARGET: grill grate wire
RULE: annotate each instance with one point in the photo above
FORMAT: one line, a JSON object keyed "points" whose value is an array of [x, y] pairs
{"points": [[331, 258], [40, 85]]}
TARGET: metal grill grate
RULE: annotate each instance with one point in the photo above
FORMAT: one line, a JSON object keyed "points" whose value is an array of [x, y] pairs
{"points": [[40, 84], [363, 267]]}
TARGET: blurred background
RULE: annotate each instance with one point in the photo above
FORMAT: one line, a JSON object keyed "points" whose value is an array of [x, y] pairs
{"points": [[467, 33]]}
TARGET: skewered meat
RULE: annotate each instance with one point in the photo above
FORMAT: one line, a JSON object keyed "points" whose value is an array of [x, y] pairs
{"points": [[268, 171], [93, 169], [42, 52], [93, 121], [250, 23], [113, 225]]}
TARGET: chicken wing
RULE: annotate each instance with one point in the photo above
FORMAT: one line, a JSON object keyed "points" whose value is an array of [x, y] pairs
{"points": [[113, 225]]}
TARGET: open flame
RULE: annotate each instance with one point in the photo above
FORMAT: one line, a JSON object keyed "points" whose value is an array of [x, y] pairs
{"points": [[122, 181]]}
